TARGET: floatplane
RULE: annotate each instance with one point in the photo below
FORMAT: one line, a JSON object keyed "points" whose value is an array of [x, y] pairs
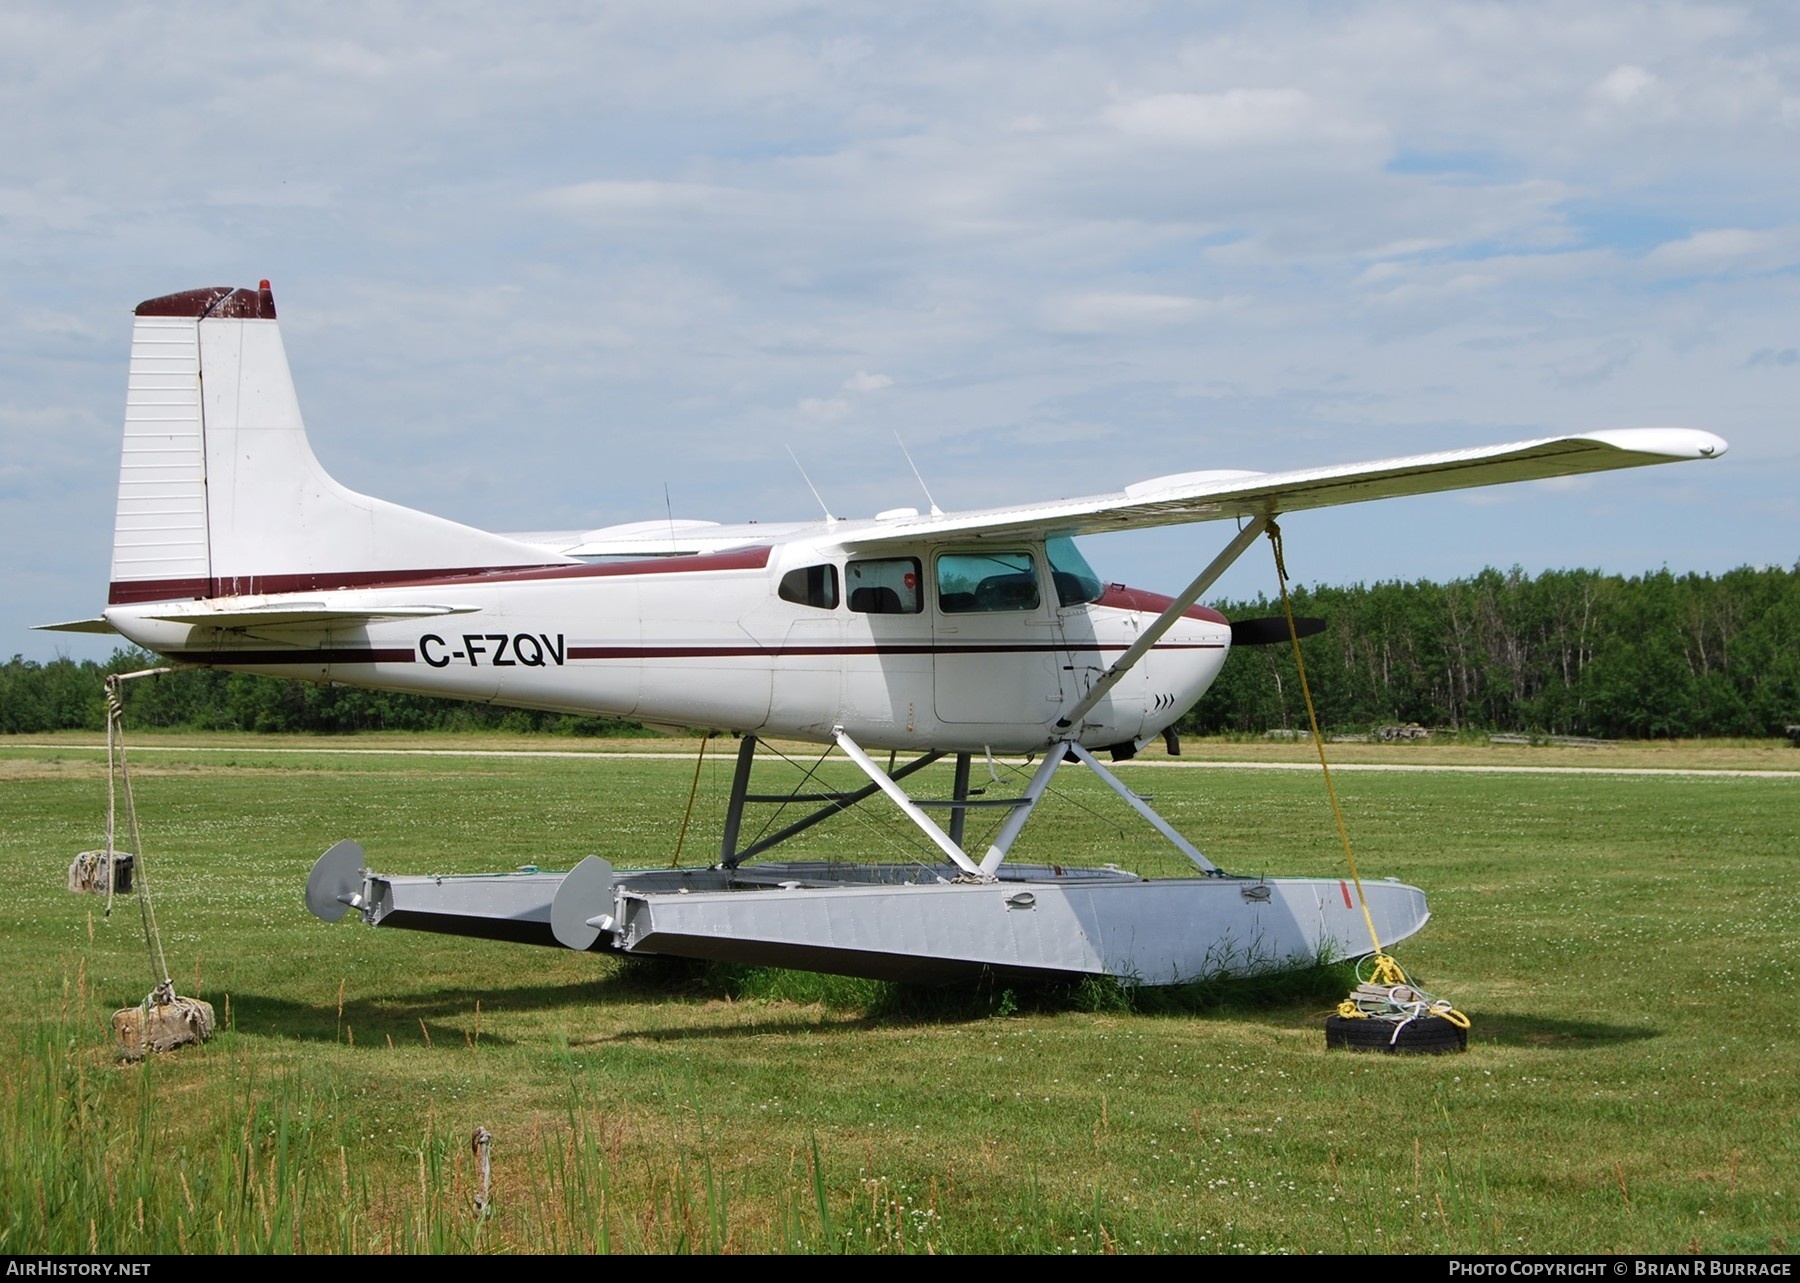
{"points": [[925, 634]]}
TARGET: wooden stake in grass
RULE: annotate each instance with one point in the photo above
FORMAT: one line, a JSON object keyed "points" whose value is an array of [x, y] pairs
{"points": [[1619, 1174], [480, 1143]]}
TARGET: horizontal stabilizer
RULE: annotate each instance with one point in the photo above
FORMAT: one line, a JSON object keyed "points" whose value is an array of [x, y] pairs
{"points": [[77, 626], [302, 612]]}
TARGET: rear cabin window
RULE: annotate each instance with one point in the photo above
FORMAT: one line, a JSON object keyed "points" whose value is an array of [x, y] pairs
{"points": [[971, 583], [811, 586], [884, 586]]}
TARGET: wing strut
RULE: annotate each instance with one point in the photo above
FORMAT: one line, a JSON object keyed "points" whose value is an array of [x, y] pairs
{"points": [[951, 843], [1165, 621], [1059, 753], [731, 857], [1015, 822], [1143, 808], [898, 797]]}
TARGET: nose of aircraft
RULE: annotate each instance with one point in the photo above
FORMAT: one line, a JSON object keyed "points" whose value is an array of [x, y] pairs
{"points": [[1184, 661]]}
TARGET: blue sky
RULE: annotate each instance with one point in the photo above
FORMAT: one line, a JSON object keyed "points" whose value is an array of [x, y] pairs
{"points": [[533, 264]]}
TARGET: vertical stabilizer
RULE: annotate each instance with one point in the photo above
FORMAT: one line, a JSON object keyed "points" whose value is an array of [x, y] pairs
{"points": [[219, 492]]}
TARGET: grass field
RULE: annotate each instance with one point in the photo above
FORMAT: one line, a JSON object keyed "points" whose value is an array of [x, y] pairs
{"points": [[1626, 944]]}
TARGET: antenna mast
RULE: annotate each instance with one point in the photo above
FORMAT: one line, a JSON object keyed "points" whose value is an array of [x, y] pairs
{"points": [[935, 510], [810, 486]]}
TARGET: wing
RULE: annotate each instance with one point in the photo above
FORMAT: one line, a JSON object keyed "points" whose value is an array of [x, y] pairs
{"points": [[1212, 496]]}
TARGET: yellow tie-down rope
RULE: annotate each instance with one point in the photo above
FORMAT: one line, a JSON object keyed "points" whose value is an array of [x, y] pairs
{"points": [[1387, 973]]}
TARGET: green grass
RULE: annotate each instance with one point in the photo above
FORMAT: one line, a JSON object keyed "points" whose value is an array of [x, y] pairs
{"points": [[1626, 945]]}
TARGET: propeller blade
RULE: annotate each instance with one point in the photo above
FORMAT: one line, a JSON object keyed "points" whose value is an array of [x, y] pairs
{"points": [[1272, 629]]}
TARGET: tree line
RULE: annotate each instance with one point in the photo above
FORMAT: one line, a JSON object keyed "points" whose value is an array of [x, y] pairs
{"points": [[1570, 652], [65, 695]]}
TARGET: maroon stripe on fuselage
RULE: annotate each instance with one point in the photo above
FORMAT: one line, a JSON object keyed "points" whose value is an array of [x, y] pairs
{"points": [[1119, 597], [128, 592], [282, 658], [406, 654], [922, 648]]}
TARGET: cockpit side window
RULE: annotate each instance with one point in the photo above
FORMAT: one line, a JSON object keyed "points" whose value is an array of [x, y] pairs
{"points": [[1076, 582], [815, 586], [884, 586], [969, 583]]}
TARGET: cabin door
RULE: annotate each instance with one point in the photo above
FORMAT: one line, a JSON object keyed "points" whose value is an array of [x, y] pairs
{"points": [[997, 650]]}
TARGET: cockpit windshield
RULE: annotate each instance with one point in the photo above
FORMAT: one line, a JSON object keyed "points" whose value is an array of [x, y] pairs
{"points": [[1076, 582]]}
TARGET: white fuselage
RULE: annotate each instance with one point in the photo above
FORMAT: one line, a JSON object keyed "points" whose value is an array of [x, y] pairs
{"points": [[717, 641]]}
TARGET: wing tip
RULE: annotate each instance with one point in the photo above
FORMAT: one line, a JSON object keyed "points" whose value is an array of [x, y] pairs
{"points": [[1664, 443]]}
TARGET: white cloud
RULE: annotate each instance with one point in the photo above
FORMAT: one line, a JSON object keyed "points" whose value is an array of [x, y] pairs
{"points": [[609, 197], [1596, 365], [59, 324], [348, 58], [46, 206], [1120, 311], [313, 195], [824, 409], [1726, 249], [1237, 118], [1623, 85], [836, 408]]}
